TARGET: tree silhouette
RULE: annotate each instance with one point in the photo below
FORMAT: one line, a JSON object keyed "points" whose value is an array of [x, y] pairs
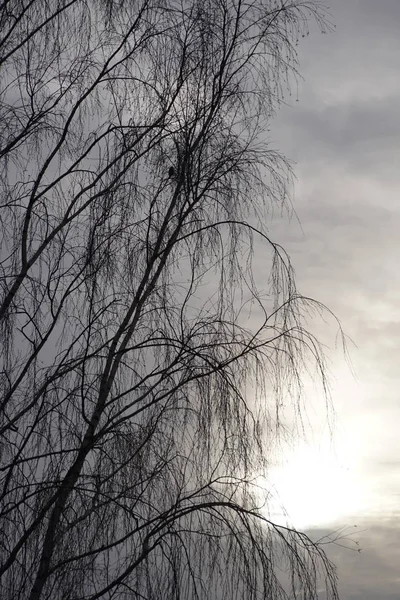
{"points": [[139, 398]]}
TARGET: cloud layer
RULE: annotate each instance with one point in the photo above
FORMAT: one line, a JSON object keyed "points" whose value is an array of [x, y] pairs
{"points": [[344, 134]]}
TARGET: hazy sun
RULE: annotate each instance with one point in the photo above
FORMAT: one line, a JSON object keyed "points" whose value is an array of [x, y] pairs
{"points": [[313, 487]]}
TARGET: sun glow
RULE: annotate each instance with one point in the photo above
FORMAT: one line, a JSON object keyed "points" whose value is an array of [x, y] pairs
{"points": [[312, 488]]}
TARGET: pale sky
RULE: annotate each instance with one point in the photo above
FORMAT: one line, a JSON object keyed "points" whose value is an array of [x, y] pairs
{"points": [[344, 134]]}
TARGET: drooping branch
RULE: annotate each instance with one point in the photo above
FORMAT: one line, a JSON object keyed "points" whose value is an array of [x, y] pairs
{"points": [[136, 183]]}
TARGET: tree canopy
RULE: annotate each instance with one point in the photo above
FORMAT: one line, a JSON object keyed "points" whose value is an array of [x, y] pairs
{"points": [[143, 364]]}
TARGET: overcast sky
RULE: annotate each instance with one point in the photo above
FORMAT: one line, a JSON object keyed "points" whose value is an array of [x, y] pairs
{"points": [[344, 134]]}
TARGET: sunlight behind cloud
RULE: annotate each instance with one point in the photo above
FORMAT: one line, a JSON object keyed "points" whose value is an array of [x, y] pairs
{"points": [[312, 488]]}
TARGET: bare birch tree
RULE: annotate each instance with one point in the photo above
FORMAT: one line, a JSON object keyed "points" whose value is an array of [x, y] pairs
{"points": [[138, 398]]}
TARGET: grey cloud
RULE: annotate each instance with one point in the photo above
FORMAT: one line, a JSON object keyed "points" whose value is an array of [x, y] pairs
{"points": [[361, 136], [371, 574], [365, 33], [344, 134], [345, 244], [348, 114]]}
